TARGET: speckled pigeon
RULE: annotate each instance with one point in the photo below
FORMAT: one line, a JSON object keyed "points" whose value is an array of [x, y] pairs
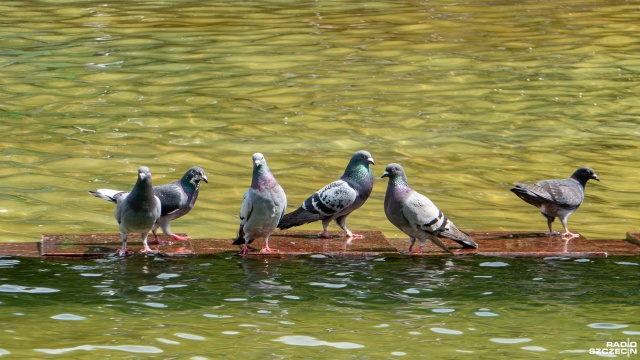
{"points": [[415, 215], [338, 199], [137, 211], [263, 205], [177, 199], [557, 198]]}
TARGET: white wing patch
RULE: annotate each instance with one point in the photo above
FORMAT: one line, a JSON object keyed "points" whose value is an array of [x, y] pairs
{"points": [[331, 199]]}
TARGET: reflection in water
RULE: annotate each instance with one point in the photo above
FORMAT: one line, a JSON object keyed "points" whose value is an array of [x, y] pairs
{"points": [[364, 307]]}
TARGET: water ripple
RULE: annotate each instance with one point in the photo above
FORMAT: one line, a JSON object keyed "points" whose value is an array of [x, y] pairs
{"points": [[68, 317], [299, 340], [24, 289], [138, 349]]}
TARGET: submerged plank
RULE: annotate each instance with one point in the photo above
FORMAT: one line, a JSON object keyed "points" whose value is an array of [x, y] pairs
{"points": [[102, 245], [22, 249]]}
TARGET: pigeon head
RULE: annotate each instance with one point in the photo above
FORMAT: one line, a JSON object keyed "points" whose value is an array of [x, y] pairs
{"points": [[258, 160], [392, 170], [144, 173], [395, 173], [358, 171], [362, 157], [262, 176], [195, 174], [584, 174]]}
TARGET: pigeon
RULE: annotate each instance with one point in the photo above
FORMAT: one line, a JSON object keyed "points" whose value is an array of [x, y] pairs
{"points": [[415, 215], [557, 198], [338, 199], [177, 198], [137, 211], [263, 205]]}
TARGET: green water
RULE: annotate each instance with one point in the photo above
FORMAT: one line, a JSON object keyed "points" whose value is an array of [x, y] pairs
{"points": [[468, 96], [317, 308]]}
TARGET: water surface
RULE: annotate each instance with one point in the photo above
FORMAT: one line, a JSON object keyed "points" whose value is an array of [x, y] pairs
{"points": [[469, 97], [317, 308]]}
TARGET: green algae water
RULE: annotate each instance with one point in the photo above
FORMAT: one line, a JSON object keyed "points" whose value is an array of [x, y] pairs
{"points": [[469, 97], [317, 308]]}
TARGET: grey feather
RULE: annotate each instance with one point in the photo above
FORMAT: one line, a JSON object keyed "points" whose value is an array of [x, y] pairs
{"points": [[138, 210], [176, 198], [338, 199], [263, 205], [557, 198], [416, 215]]}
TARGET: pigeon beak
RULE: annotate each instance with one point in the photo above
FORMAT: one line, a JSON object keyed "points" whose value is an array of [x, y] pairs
{"points": [[256, 163], [204, 177], [370, 160], [386, 174], [595, 177]]}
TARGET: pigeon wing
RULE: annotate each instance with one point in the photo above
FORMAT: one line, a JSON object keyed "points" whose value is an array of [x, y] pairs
{"points": [[331, 199], [565, 193], [421, 213]]}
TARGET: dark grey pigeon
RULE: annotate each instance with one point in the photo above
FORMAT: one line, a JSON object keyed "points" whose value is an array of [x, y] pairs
{"points": [[415, 215], [177, 199], [338, 199], [263, 205], [557, 198], [137, 211]]}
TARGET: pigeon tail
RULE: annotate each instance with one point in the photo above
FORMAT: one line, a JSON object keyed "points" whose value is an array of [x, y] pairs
{"points": [[107, 194], [532, 194], [460, 237], [296, 218], [240, 240]]}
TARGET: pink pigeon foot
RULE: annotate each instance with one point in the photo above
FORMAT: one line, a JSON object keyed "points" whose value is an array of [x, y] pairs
{"points": [[569, 235], [180, 238], [351, 235], [267, 249], [147, 249], [245, 250], [156, 240], [324, 235], [417, 251]]}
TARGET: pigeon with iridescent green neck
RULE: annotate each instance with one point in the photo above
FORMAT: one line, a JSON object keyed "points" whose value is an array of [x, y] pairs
{"points": [[338, 199], [177, 199]]}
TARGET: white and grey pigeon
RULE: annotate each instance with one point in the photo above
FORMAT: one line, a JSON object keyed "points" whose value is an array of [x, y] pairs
{"points": [[137, 211], [263, 205], [557, 198], [177, 199], [415, 215], [338, 199]]}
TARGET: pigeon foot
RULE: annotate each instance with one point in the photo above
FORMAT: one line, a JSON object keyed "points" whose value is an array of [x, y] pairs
{"points": [[351, 235], [324, 235], [267, 249], [244, 251], [569, 235], [417, 251], [180, 238], [148, 250]]}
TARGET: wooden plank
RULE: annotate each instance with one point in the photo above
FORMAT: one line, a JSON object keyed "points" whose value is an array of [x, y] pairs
{"points": [[301, 243]]}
